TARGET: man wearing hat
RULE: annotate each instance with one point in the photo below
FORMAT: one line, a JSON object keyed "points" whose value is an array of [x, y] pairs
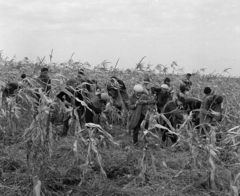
{"points": [[162, 96], [138, 105]]}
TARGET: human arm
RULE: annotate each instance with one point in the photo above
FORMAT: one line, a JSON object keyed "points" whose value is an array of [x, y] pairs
{"points": [[48, 86], [146, 101], [132, 103]]}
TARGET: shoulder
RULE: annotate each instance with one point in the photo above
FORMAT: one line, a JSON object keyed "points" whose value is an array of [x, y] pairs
{"points": [[132, 97], [209, 98]]}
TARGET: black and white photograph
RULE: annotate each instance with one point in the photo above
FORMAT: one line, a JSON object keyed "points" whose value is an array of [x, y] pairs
{"points": [[119, 98]]}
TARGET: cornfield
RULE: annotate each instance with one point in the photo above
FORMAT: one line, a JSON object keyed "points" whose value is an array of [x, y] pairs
{"points": [[100, 160]]}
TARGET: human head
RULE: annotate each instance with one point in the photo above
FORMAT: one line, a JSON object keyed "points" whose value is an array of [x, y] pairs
{"points": [[188, 76], [113, 83], [23, 76], [167, 81], [218, 99], [44, 71], [207, 90], [104, 97], [182, 88], [138, 89], [164, 88], [146, 81]]}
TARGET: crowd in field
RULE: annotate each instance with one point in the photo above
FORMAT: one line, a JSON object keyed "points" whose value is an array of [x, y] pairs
{"points": [[173, 103]]}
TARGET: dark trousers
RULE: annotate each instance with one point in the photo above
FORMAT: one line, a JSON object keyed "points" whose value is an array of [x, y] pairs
{"points": [[66, 123], [165, 133], [137, 128], [90, 118], [173, 137], [65, 126]]}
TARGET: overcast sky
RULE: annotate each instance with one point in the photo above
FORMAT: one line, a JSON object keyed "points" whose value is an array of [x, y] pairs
{"points": [[194, 33]]}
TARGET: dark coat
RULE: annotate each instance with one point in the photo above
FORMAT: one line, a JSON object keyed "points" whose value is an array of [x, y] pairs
{"points": [[207, 105], [172, 113], [11, 89], [192, 104], [95, 102], [161, 98], [45, 83], [116, 93]]}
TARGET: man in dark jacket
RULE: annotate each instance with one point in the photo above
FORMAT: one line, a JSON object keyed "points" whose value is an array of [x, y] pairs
{"points": [[45, 80], [96, 104], [207, 92], [138, 105], [192, 104], [162, 96], [211, 111], [187, 82], [117, 90], [167, 81], [172, 112]]}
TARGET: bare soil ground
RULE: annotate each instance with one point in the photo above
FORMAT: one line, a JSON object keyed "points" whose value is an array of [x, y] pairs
{"points": [[121, 164]]}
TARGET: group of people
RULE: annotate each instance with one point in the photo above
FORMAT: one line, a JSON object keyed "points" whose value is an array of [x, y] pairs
{"points": [[206, 112], [168, 101]]}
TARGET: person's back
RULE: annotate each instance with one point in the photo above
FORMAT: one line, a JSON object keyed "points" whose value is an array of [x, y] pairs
{"points": [[117, 91], [192, 103], [171, 112], [211, 103], [207, 92], [122, 87]]}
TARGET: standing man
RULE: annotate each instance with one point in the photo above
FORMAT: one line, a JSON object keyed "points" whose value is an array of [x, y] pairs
{"points": [[187, 82], [138, 105], [162, 96], [181, 94], [211, 112], [167, 81], [45, 80]]}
